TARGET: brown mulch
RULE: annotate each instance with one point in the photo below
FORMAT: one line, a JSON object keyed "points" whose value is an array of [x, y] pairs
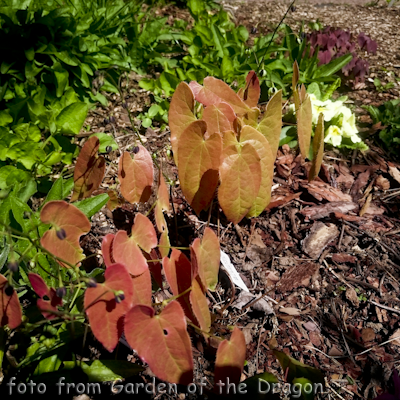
{"points": [[326, 255]]}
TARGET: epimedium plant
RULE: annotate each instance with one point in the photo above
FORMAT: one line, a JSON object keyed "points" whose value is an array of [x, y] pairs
{"points": [[119, 302]]}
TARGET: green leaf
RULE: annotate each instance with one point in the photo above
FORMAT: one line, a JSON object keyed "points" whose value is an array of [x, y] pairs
{"points": [[5, 118], [259, 386], [60, 189], [295, 369], [106, 370], [91, 206], [105, 141], [305, 388], [334, 66], [3, 258], [27, 153], [71, 118]]}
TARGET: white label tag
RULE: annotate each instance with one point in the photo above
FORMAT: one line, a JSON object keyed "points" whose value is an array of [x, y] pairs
{"points": [[231, 271]]}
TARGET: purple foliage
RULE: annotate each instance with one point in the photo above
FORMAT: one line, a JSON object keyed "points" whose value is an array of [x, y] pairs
{"points": [[332, 43]]}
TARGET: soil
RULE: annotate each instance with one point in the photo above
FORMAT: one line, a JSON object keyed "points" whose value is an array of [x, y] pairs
{"points": [[325, 256]]}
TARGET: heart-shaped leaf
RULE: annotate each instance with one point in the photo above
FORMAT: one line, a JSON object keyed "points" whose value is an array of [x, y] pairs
{"points": [[49, 300], [207, 254], [143, 233], [219, 118], [155, 267], [252, 91], [68, 225], [161, 341], [178, 271], [10, 309], [214, 91], [125, 249], [105, 313], [295, 369], [107, 249], [142, 289], [180, 115], [230, 360], [318, 148], [240, 175], [199, 305], [261, 145], [304, 125], [199, 160], [136, 175], [89, 170], [162, 204], [271, 124]]}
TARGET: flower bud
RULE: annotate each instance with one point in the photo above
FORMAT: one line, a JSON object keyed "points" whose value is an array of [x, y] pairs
{"points": [[61, 292], [61, 234], [92, 283], [112, 119], [119, 297], [108, 149], [135, 149], [12, 266]]}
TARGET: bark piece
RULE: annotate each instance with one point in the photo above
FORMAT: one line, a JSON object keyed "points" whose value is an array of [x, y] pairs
{"points": [[319, 237], [298, 275]]}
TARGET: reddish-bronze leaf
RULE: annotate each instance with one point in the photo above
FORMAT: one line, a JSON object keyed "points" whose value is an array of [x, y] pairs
{"points": [[142, 289], [180, 115], [230, 360], [304, 125], [199, 305], [104, 312], [10, 309], [72, 223], [318, 148], [164, 244], [271, 124], [252, 90], [161, 341], [107, 249], [199, 160], [240, 175], [178, 271], [143, 233], [214, 91], [162, 204], [296, 75], [89, 170], [207, 254], [114, 201], [261, 145], [48, 305], [127, 252], [136, 175], [219, 118], [155, 267]]}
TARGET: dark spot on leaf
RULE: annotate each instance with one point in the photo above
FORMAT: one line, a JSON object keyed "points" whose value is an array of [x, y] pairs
{"points": [[9, 290], [165, 332]]}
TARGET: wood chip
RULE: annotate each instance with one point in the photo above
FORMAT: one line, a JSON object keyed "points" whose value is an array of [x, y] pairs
{"points": [[319, 237]]}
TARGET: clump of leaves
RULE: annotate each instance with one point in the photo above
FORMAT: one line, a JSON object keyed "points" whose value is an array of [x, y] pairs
{"points": [[386, 118], [227, 145], [331, 43]]}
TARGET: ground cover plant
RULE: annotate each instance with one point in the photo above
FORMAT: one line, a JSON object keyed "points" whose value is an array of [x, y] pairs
{"points": [[47, 253]]}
